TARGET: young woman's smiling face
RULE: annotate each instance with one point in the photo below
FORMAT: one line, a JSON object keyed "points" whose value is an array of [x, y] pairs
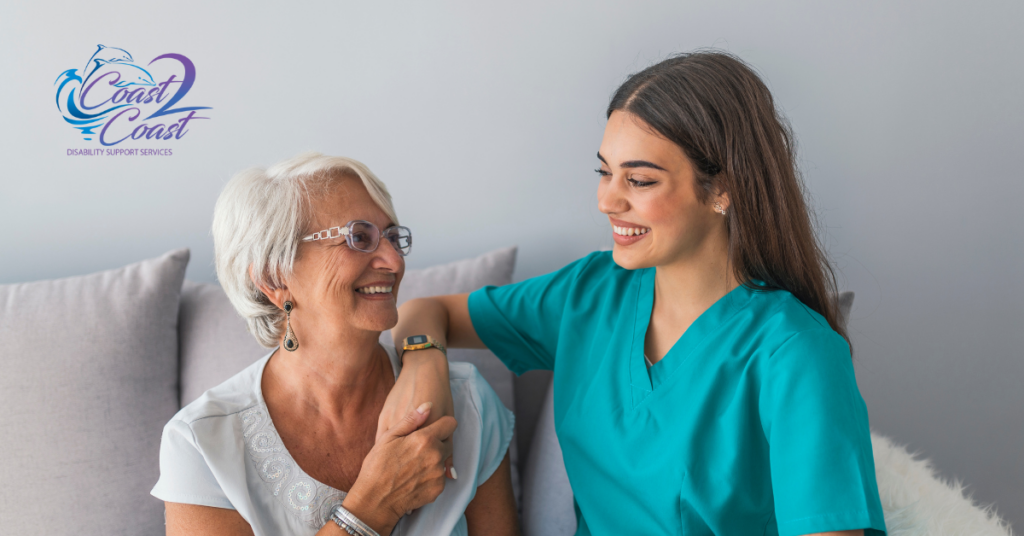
{"points": [[648, 191]]}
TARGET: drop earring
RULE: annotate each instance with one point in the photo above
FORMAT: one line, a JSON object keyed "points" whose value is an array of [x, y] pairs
{"points": [[719, 209], [290, 342]]}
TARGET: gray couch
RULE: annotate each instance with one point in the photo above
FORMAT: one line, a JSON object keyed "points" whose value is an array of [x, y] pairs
{"points": [[92, 367]]}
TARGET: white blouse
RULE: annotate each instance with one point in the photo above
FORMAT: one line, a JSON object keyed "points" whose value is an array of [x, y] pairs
{"points": [[222, 450]]}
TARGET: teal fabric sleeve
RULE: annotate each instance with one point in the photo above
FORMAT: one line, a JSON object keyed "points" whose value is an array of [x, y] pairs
{"points": [[816, 423], [520, 322]]}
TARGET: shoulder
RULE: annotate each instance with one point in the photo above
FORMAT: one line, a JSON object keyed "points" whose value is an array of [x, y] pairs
{"points": [[781, 318], [599, 264], [234, 395], [595, 265]]}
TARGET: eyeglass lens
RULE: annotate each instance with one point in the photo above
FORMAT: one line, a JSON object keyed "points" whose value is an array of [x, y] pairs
{"points": [[400, 238], [365, 236]]}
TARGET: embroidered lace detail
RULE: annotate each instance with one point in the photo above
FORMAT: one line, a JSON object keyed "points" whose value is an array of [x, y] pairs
{"points": [[304, 497]]}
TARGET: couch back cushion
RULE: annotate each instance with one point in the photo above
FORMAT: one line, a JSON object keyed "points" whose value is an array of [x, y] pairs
{"points": [[88, 379], [214, 340]]}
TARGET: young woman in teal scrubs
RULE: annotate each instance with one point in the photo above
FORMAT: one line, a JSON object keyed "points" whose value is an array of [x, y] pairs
{"points": [[703, 379]]}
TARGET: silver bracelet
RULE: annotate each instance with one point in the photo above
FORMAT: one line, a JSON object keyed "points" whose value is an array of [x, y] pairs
{"points": [[350, 523]]}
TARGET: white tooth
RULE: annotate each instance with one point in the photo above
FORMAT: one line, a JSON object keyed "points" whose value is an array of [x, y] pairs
{"points": [[615, 228], [376, 290], [632, 231]]}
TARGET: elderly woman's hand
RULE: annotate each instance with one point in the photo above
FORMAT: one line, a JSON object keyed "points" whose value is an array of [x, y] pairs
{"points": [[404, 471]]}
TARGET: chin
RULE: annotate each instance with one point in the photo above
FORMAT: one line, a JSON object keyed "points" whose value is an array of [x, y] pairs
{"points": [[375, 320], [630, 260]]}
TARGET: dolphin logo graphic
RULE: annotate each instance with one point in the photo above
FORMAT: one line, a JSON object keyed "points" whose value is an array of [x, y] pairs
{"points": [[127, 74], [105, 54], [103, 61]]}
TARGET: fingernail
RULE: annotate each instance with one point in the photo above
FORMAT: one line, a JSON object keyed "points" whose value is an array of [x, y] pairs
{"points": [[424, 407], [455, 476]]}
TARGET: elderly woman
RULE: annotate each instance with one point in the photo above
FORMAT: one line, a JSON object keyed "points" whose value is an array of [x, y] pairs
{"points": [[311, 255]]}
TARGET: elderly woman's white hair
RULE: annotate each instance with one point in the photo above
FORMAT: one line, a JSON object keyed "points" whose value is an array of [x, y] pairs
{"points": [[258, 222]]}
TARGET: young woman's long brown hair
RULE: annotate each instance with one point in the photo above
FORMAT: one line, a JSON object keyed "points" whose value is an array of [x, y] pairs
{"points": [[722, 115]]}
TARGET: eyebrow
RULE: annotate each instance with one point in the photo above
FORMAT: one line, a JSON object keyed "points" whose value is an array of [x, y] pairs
{"points": [[634, 163]]}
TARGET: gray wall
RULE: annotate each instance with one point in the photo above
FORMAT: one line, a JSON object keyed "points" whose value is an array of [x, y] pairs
{"points": [[484, 121]]}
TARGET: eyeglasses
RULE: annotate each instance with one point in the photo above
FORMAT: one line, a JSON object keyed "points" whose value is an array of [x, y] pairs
{"points": [[364, 236]]}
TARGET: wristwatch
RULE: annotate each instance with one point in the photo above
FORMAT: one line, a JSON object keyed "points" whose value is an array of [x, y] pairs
{"points": [[422, 342]]}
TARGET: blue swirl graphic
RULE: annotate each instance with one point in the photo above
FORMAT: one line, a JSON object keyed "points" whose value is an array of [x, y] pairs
{"points": [[109, 66]]}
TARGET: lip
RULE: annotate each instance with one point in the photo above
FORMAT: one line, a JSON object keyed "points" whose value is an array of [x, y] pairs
{"points": [[627, 240]]}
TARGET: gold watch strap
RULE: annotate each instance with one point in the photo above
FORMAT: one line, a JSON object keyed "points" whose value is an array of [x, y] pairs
{"points": [[422, 342]]}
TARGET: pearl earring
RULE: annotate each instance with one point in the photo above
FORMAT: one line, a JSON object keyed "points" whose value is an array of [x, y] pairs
{"points": [[290, 342]]}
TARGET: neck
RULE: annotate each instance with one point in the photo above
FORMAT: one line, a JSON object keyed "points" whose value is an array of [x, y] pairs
{"points": [[346, 373], [697, 281]]}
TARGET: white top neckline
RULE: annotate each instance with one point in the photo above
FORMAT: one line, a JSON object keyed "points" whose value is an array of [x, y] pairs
{"points": [[303, 496], [222, 450]]}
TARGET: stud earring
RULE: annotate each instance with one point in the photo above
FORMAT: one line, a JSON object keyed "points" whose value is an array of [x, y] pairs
{"points": [[719, 209], [290, 342]]}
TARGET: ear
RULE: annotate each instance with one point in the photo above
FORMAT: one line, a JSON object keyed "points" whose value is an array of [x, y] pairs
{"points": [[721, 198], [277, 296]]}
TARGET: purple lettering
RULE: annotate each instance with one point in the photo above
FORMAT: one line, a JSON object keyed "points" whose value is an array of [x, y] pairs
{"points": [[81, 98], [119, 95], [136, 96], [184, 122], [155, 131], [163, 87], [139, 132], [150, 96], [103, 132]]}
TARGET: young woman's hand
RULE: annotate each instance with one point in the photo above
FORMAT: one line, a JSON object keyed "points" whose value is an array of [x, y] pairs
{"points": [[404, 471]]}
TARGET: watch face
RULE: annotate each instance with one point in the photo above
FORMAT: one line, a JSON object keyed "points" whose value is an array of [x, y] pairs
{"points": [[418, 339]]}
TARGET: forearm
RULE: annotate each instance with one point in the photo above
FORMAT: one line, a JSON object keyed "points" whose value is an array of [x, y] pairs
{"points": [[422, 316], [492, 511], [445, 318]]}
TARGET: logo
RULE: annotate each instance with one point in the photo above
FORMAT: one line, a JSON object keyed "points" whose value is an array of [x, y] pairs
{"points": [[113, 99]]}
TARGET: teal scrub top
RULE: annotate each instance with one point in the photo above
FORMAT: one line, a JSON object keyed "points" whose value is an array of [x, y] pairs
{"points": [[751, 424]]}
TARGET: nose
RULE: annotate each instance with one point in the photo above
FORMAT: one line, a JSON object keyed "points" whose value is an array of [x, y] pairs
{"points": [[611, 198], [387, 258]]}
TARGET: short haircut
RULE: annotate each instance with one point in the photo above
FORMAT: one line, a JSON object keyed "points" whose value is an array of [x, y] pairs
{"points": [[259, 220]]}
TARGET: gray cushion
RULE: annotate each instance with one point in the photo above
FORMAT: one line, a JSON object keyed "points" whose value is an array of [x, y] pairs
{"points": [[547, 496], [215, 343], [87, 382]]}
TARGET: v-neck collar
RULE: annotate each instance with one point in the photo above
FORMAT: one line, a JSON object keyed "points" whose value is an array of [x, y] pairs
{"points": [[644, 381]]}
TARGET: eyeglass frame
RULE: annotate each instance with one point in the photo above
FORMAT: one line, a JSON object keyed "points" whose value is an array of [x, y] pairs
{"points": [[347, 233]]}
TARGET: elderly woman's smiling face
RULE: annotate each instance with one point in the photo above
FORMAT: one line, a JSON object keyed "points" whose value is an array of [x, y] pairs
{"points": [[330, 281]]}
